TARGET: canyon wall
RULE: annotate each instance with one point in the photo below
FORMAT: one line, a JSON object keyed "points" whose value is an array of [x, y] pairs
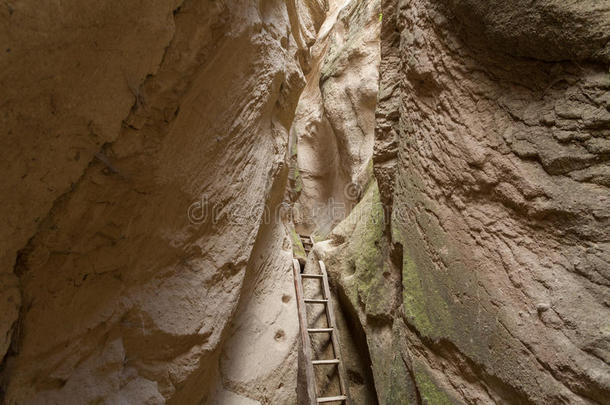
{"points": [[333, 135], [453, 154], [492, 147], [335, 118], [143, 140]]}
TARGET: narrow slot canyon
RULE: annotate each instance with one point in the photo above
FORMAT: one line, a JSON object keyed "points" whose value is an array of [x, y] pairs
{"points": [[363, 202]]}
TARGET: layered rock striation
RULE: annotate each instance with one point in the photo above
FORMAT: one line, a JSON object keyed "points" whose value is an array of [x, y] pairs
{"points": [[335, 118], [453, 154], [144, 142], [492, 160]]}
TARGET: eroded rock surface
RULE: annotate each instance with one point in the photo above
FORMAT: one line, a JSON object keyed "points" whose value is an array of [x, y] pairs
{"points": [[67, 85], [493, 128], [335, 118], [126, 125], [460, 172]]}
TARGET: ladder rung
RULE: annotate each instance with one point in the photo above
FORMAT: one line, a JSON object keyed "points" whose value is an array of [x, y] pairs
{"points": [[320, 362], [332, 399], [313, 301], [305, 275], [320, 330]]}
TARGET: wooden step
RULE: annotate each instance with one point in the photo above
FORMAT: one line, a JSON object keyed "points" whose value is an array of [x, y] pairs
{"points": [[330, 317], [323, 362], [306, 275], [331, 329], [320, 330], [310, 377], [306, 242], [332, 399], [315, 301]]}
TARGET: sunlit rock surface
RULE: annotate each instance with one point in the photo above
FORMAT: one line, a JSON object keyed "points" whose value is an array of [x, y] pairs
{"points": [[141, 140]]}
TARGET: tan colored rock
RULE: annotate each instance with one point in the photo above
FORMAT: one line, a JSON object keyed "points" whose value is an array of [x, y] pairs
{"points": [[369, 282], [67, 83], [146, 161], [334, 127], [550, 30], [123, 121], [352, 339], [259, 359], [334, 122], [492, 168]]}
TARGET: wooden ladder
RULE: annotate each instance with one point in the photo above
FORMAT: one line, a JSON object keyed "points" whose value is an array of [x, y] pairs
{"points": [[302, 303], [307, 242]]}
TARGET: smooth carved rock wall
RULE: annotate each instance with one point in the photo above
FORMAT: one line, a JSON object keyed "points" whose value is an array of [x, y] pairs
{"points": [[335, 118], [119, 117], [67, 85], [491, 153]]}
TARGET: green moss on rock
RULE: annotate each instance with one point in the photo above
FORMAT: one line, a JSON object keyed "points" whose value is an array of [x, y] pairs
{"points": [[298, 251], [298, 181], [424, 288], [393, 380], [366, 253], [429, 391], [363, 258], [398, 393], [423, 302]]}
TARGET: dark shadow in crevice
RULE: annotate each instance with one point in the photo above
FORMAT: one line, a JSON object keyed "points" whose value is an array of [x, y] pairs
{"points": [[364, 376]]}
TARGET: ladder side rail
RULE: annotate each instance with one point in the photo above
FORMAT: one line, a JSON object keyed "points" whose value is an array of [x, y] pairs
{"points": [[306, 343], [335, 335]]}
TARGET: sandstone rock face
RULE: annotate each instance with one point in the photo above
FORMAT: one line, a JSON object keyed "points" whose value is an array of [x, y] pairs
{"points": [[143, 140], [454, 154], [334, 136], [259, 359], [491, 153], [309, 15], [67, 85], [550, 30], [368, 285], [334, 122]]}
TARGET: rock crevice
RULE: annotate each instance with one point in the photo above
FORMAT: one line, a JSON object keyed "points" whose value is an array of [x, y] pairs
{"points": [[450, 157]]}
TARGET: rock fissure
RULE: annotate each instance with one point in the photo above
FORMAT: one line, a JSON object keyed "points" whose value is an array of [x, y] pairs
{"points": [[161, 160]]}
